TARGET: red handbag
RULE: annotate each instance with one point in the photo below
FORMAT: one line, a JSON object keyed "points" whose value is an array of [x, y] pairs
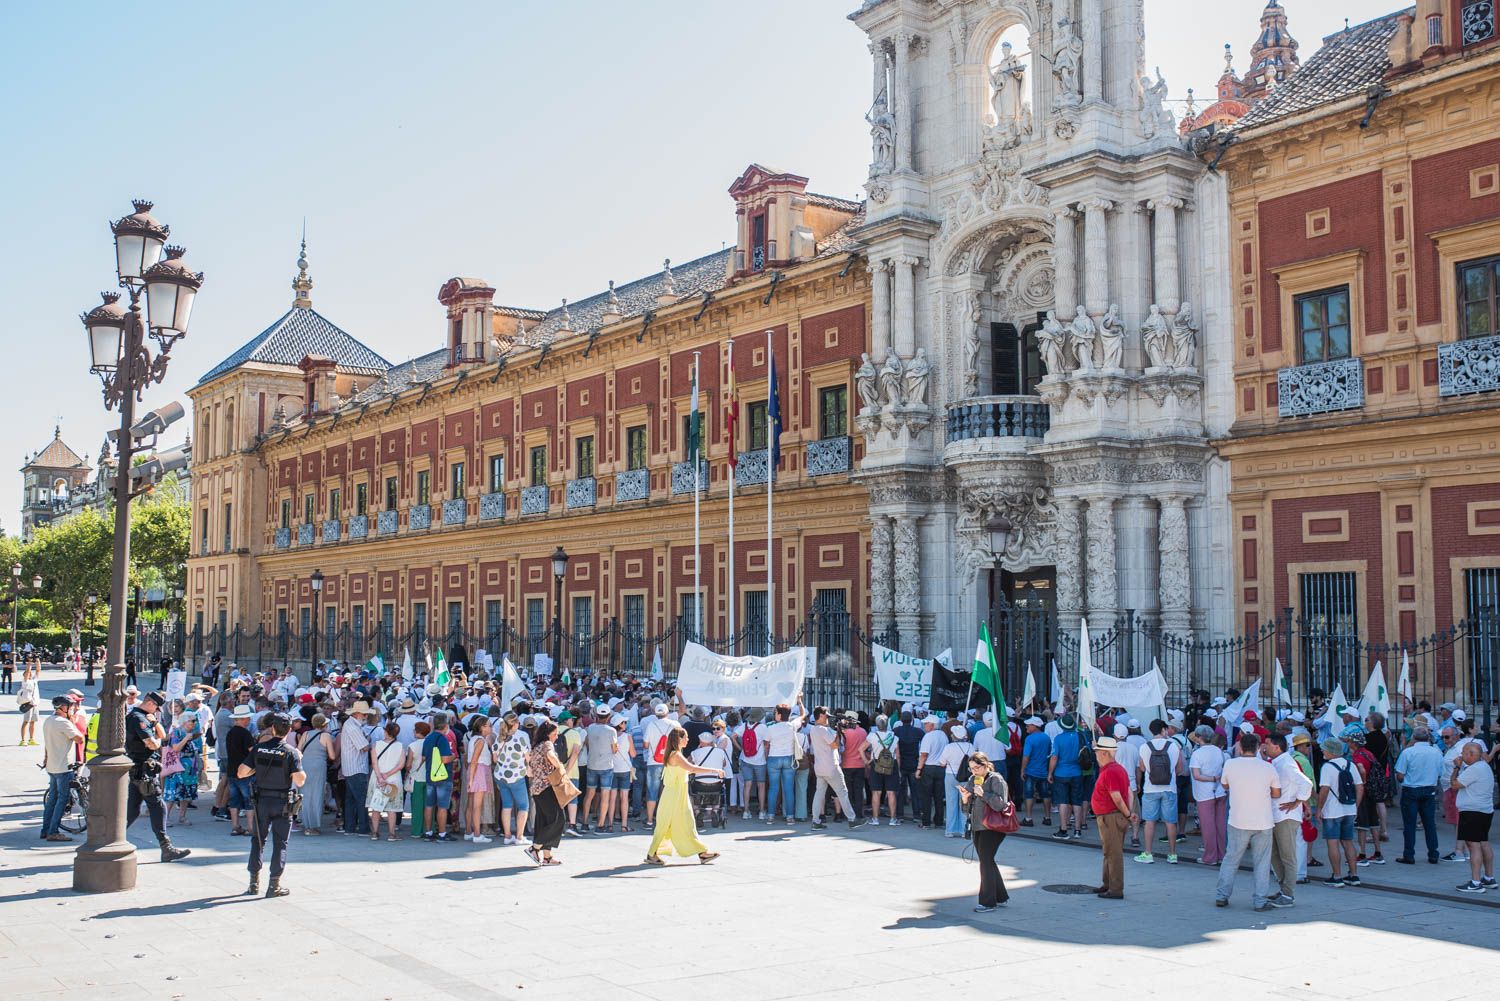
{"points": [[1001, 821], [1309, 831]]}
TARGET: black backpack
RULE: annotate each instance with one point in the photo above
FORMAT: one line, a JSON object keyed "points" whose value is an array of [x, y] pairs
{"points": [[964, 774], [1159, 765], [1344, 789]]}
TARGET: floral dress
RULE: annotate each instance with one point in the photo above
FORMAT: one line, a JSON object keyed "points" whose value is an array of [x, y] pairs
{"points": [[183, 786]]}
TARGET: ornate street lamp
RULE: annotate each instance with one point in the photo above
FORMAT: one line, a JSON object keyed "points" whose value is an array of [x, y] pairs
{"points": [[559, 571], [15, 611], [127, 366], [317, 588]]}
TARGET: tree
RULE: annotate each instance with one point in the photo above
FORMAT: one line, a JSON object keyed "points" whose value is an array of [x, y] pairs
{"points": [[160, 524], [73, 558]]}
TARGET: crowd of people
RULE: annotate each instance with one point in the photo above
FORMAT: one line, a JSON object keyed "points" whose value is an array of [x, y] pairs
{"points": [[386, 757]]}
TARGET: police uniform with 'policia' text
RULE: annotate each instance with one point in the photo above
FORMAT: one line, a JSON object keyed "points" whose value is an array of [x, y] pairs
{"points": [[277, 768], [143, 743]]}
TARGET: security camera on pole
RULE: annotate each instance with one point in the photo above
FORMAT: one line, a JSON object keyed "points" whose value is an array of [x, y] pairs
{"points": [[127, 365]]}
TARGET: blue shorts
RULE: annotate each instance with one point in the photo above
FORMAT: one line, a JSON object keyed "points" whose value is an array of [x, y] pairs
{"points": [[653, 782], [599, 780], [1067, 790], [1338, 828], [1037, 787], [440, 794], [752, 773], [1159, 806], [514, 795], [619, 780], [241, 796]]}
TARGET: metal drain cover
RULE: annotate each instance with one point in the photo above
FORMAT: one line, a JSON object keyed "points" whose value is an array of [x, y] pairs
{"points": [[1068, 888]]}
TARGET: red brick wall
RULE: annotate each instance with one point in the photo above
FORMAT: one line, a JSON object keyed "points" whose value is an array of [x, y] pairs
{"points": [[1362, 515], [393, 446], [1440, 197], [1356, 223], [424, 438], [1451, 540], [649, 373], [546, 417], [312, 466], [362, 452], [495, 420], [594, 387], [850, 323]]}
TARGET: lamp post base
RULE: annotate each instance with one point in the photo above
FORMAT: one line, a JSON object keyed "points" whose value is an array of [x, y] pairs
{"points": [[106, 862]]}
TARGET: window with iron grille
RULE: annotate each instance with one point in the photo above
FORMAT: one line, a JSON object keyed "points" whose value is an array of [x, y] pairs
{"points": [[635, 631], [418, 623], [424, 487], [833, 412], [536, 621], [832, 610], [635, 447], [1477, 21], [1330, 630], [584, 448], [1478, 292], [1323, 325], [539, 465], [689, 613], [390, 493], [494, 619], [330, 629], [756, 639], [304, 629], [583, 631], [455, 620], [757, 425], [357, 627], [388, 626], [1482, 605]]}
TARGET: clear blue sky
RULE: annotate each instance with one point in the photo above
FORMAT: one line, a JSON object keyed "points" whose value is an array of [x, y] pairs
{"points": [[546, 148]]}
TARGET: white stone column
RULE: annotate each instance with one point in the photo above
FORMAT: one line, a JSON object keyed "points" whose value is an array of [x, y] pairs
{"points": [[908, 572], [1136, 572], [880, 64], [1103, 592], [1176, 575], [1165, 253], [1068, 530], [882, 565], [1096, 256], [904, 314], [901, 100], [880, 310], [1064, 262], [1093, 50]]}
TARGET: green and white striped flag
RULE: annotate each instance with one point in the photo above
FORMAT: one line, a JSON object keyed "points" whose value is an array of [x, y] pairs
{"points": [[1281, 692], [695, 422], [987, 676], [441, 675], [375, 665]]}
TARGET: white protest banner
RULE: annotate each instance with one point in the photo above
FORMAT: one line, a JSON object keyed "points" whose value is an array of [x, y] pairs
{"points": [[176, 684], [903, 678], [1149, 689], [541, 664], [708, 679]]}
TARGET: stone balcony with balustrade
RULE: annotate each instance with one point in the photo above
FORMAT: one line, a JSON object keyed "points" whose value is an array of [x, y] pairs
{"points": [[985, 427]]}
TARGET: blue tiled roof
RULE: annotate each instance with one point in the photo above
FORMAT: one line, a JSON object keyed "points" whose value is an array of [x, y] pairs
{"points": [[301, 332]]}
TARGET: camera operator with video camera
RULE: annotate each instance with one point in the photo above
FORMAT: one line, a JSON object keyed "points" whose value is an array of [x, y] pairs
{"points": [[144, 738]]}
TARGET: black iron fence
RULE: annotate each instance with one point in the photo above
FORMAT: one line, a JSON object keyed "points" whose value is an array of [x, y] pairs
{"points": [[1455, 664]]}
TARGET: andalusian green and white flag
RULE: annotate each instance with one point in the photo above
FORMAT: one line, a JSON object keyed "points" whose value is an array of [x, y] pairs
{"points": [[1281, 692], [406, 668], [1403, 683], [1375, 698], [1029, 692], [695, 422], [375, 665], [440, 675], [987, 676], [1336, 703]]}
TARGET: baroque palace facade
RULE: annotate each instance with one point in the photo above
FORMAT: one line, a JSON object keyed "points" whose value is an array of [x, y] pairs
{"points": [[431, 494], [1365, 229]]}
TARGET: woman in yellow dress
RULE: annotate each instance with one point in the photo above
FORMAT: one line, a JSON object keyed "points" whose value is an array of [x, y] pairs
{"points": [[674, 816]]}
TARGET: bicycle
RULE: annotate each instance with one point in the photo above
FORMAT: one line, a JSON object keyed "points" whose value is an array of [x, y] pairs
{"points": [[75, 819]]}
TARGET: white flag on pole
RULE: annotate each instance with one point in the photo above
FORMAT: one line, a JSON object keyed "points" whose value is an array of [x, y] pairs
{"points": [[1086, 715], [1029, 692], [511, 684], [1335, 705], [656, 671], [1375, 698], [1248, 701], [1403, 683], [1281, 693], [406, 671], [1057, 690]]}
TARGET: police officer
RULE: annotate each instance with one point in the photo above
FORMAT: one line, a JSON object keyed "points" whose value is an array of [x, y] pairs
{"points": [[144, 737], [277, 768]]}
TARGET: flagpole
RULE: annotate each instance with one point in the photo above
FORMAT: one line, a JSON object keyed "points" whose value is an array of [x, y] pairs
{"points": [[733, 648], [772, 429], [697, 546]]}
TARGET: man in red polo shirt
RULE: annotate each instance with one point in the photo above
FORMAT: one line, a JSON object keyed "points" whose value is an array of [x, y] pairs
{"points": [[1111, 803]]}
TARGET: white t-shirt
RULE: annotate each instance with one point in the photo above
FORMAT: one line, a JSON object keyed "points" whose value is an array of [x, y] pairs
{"points": [[1174, 754], [778, 739], [1328, 779], [932, 745], [709, 756], [1476, 788], [824, 743], [954, 754], [1250, 781], [1209, 760], [759, 757], [989, 745], [876, 741], [1127, 755], [623, 756], [652, 731], [1450, 758]]}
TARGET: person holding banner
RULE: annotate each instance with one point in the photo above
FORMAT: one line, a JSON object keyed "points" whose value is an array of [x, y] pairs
{"points": [[674, 815]]}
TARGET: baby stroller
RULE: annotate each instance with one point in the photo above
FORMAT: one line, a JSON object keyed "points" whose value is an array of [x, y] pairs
{"points": [[706, 793]]}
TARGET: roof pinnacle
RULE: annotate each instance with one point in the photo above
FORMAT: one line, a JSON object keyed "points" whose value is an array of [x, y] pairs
{"points": [[302, 284]]}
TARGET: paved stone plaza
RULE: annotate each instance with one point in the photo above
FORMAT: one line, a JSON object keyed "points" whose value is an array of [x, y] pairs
{"points": [[783, 914]]}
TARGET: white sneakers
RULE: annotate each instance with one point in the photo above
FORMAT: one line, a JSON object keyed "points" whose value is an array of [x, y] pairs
{"points": [[480, 839], [874, 821]]}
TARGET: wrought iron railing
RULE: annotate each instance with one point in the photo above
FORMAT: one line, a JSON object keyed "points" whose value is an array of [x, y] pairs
{"points": [[419, 517], [283, 538], [580, 493], [1469, 366], [332, 529], [752, 467], [386, 522], [492, 507], [1320, 388], [359, 526], [828, 456], [632, 485], [534, 500], [455, 511], [682, 477], [998, 417], [306, 534]]}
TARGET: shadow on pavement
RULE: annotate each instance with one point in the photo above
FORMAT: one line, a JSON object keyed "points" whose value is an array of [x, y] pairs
{"points": [[176, 907], [463, 876]]}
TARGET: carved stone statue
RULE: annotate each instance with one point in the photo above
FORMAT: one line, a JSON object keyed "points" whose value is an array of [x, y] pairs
{"points": [[1052, 340], [1112, 338], [917, 372], [1065, 65], [1009, 80], [1156, 338], [1081, 335], [864, 384], [882, 136], [1154, 114], [1184, 338], [971, 346], [891, 381]]}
